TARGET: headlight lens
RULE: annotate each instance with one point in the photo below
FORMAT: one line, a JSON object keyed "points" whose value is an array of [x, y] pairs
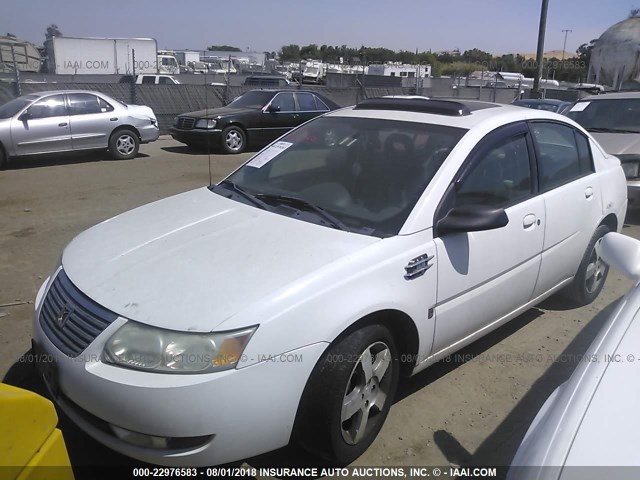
{"points": [[206, 123], [142, 347], [630, 164]]}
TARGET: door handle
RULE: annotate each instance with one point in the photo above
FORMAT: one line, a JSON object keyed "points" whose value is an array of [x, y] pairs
{"points": [[529, 221], [113, 119], [63, 124], [588, 193]]}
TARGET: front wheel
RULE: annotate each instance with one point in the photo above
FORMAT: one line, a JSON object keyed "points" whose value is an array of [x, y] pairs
{"points": [[234, 139], [124, 144], [348, 395], [592, 272]]}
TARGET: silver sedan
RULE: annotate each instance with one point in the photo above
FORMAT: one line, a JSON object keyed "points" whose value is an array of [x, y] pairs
{"points": [[70, 120]]}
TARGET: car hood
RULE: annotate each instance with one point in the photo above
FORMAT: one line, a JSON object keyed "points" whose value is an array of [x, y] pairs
{"points": [[613, 411], [192, 261], [219, 112], [619, 143]]}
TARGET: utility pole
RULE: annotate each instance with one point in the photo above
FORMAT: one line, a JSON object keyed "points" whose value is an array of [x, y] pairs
{"points": [[535, 92], [564, 47]]}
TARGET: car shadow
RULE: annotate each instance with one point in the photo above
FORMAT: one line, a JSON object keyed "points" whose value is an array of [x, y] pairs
{"points": [[499, 448], [188, 150], [633, 217], [70, 158]]}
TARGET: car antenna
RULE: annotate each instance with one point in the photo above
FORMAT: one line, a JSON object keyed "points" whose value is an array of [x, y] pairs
{"points": [[206, 110]]}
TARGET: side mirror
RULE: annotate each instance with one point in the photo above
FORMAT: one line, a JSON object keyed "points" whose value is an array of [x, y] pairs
{"points": [[472, 218], [25, 116], [273, 109], [622, 253]]}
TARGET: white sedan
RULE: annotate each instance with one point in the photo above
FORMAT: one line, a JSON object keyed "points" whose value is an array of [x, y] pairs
{"points": [[592, 419], [283, 304]]}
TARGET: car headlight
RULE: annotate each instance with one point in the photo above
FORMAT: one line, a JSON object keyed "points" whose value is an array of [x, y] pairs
{"points": [[206, 123], [630, 164], [153, 349]]}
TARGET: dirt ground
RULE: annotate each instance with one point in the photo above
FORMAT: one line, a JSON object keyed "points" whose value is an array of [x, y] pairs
{"points": [[472, 410]]}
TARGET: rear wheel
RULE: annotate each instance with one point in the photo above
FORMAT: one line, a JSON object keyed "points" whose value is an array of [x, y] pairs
{"points": [[3, 158], [348, 395], [124, 144], [592, 272], [234, 139]]}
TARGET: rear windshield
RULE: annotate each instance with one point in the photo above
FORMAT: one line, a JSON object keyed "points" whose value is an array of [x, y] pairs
{"points": [[610, 115]]}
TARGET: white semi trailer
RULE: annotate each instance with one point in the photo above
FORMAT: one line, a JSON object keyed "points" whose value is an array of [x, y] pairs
{"points": [[81, 56]]}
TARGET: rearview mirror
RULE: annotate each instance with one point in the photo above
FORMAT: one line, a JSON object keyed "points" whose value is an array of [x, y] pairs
{"points": [[25, 116], [472, 218], [622, 253]]}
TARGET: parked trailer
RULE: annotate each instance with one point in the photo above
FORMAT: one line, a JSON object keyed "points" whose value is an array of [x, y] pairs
{"points": [[81, 56]]}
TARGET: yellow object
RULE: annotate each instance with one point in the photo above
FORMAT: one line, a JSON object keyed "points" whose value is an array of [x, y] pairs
{"points": [[31, 447]]}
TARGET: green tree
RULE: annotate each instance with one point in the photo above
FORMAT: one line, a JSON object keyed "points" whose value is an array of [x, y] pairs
{"points": [[310, 51], [52, 31], [289, 53], [584, 51]]}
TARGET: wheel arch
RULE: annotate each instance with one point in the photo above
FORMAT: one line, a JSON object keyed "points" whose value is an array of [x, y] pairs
{"points": [[611, 221], [126, 127]]}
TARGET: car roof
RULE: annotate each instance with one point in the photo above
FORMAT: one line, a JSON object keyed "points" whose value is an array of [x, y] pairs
{"points": [[54, 92], [478, 114], [613, 95]]}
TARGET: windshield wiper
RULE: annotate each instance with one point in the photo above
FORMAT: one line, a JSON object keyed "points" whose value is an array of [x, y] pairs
{"points": [[300, 203], [611, 130], [252, 198]]}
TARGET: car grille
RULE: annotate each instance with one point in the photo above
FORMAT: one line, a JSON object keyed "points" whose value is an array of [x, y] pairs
{"points": [[186, 123], [81, 318]]}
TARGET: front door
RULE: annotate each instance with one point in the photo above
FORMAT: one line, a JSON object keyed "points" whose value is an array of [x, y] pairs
{"points": [[43, 127], [279, 117], [484, 276]]}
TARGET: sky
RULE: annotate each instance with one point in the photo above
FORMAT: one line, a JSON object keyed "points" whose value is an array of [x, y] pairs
{"points": [[496, 26]]}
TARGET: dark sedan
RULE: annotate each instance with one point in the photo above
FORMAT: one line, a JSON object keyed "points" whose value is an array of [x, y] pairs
{"points": [[548, 104], [254, 119]]}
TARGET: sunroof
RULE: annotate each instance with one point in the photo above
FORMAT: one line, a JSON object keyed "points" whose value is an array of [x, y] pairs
{"points": [[422, 105]]}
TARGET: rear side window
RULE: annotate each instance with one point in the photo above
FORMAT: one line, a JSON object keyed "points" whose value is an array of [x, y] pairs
{"points": [[83, 104], [584, 152], [165, 81], [559, 158], [306, 102]]}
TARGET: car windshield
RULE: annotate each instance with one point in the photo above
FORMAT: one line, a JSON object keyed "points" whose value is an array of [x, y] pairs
{"points": [[366, 173], [613, 115], [311, 70], [252, 99], [12, 107]]}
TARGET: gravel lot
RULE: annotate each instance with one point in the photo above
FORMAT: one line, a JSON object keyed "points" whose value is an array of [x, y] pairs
{"points": [[472, 410]]}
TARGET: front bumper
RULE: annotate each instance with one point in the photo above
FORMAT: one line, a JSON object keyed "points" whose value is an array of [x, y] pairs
{"points": [[200, 137], [237, 413], [149, 133]]}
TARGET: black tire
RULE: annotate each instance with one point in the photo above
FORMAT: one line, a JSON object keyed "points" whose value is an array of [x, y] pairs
{"points": [[3, 158], [320, 426], [124, 144], [234, 140], [591, 275]]}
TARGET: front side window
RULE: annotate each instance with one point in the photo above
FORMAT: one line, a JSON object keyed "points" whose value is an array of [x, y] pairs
{"points": [[499, 178], [559, 158], [52, 106], [148, 80], [252, 99], [368, 173]]}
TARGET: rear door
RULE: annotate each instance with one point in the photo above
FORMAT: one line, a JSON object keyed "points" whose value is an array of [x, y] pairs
{"points": [[44, 129], [309, 106], [92, 119], [572, 197], [485, 276]]}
